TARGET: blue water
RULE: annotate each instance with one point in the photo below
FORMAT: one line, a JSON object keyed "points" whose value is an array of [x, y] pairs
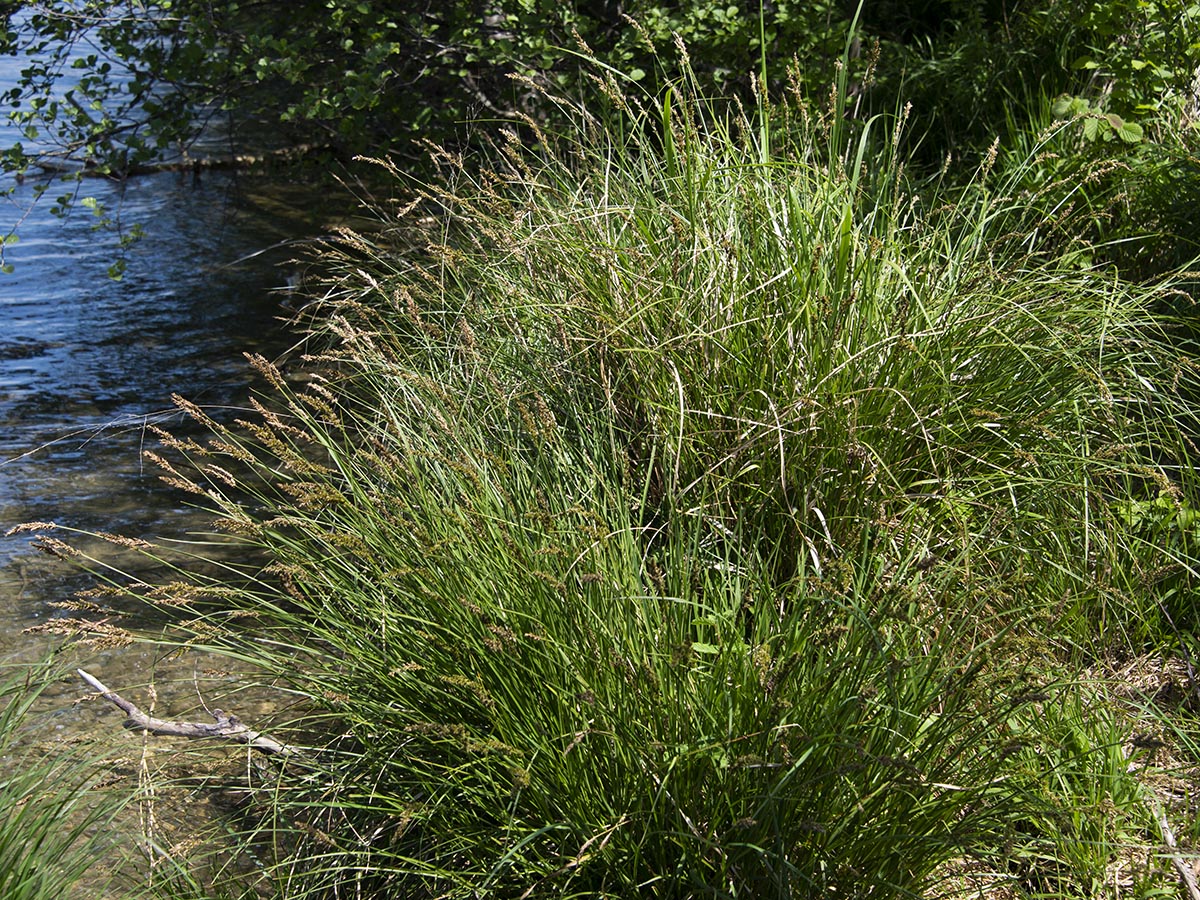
{"points": [[86, 362]]}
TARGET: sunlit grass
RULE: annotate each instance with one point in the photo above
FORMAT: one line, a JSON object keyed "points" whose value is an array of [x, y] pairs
{"points": [[53, 818], [691, 505]]}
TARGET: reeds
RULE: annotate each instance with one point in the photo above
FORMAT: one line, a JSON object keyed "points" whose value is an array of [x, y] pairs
{"points": [[702, 508], [53, 816]]}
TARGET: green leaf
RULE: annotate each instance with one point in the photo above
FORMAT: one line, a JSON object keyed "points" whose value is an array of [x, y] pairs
{"points": [[1061, 107], [708, 649], [1130, 133]]}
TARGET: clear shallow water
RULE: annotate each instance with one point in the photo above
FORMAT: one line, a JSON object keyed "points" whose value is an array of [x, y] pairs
{"points": [[86, 362]]}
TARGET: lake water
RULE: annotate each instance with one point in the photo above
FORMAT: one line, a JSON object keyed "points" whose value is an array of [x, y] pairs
{"points": [[87, 363]]}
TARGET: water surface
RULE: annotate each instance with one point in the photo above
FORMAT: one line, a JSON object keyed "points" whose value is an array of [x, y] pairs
{"points": [[86, 363]]}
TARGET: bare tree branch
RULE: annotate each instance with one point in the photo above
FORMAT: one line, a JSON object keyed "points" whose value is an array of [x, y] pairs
{"points": [[225, 726], [1186, 873]]}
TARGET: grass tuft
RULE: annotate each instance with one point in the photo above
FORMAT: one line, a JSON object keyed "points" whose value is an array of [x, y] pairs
{"points": [[694, 503]]}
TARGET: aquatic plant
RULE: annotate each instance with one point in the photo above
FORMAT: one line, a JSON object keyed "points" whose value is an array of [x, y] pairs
{"points": [[52, 816]]}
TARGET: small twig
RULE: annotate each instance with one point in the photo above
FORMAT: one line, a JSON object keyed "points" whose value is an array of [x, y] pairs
{"points": [[1181, 864], [225, 726]]}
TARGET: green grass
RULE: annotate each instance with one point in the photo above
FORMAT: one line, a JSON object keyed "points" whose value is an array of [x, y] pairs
{"points": [[796, 339], [53, 818], [692, 504]]}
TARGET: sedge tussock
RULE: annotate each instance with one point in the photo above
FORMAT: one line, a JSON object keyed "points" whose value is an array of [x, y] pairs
{"points": [[705, 512]]}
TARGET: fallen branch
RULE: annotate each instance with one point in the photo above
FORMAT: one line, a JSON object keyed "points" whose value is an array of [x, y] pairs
{"points": [[62, 165], [225, 726], [1181, 865]]}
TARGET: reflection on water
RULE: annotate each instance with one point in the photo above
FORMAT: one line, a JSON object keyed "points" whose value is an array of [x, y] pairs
{"points": [[86, 362]]}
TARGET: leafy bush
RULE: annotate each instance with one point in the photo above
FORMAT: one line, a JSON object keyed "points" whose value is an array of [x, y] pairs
{"points": [[1119, 79]]}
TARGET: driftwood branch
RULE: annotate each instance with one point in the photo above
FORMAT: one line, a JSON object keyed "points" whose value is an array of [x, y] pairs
{"points": [[225, 726], [1181, 864], [64, 164]]}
